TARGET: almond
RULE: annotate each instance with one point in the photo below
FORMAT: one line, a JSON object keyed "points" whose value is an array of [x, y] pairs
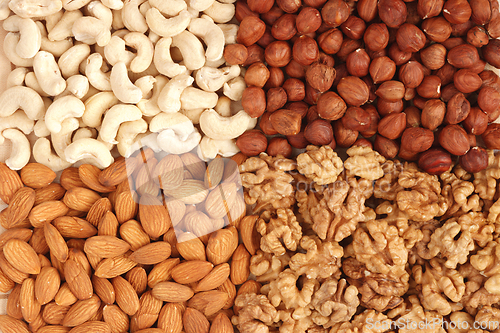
{"points": [[176, 210], [64, 296], [152, 253], [12, 273], [89, 174], [97, 211], [148, 312], [169, 172], [133, 233], [171, 238], [70, 178], [23, 234], [92, 326], [78, 255], [106, 246], [194, 165], [54, 329], [145, 181], [249, 234], [80, 198], [208, 302], [126, 297], [108, 226], [220, 200], [37, 175], [153, 215], [138, 278], [214, 173], [19, 208], [117, 320], [112, 267], [150, 330], [190, 247], [172, 292], [195, 322], [6, 284], [22, 256], [191, 192], [191, 271], [74, 227], [249, 287], [10, 183], [215, 278], [240, 265], [38, 242], [118, 171], [221, 324], [162, 271], [53, 314], [229, 288], [13, 308], [54, 191], [78, 279], [126, 206], [12, 325], [81, 311], [36, 323], [221, 245], [47, 285], [170, 318], [46, 212], [55, 242], [30, 307], [104, 289]]}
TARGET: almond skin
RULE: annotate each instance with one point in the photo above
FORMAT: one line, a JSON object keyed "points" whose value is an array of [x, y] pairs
{"points": [[151, 254], [10, 182], [47, 285], [22, 256], [191, 271], [37, 175], [195, 322], [172, 292]]}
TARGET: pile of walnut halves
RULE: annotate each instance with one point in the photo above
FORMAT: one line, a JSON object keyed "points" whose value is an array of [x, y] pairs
{"points": [[348, 246]]}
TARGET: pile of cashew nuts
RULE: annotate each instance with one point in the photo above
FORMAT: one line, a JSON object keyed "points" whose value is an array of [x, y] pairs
{"points": [[94, 75]]}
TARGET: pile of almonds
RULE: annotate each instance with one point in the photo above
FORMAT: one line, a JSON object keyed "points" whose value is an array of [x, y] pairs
{"points": [[408, 76]]}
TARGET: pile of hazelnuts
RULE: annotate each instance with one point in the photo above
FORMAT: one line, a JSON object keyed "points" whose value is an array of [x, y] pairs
{"points": [[407, 78]]}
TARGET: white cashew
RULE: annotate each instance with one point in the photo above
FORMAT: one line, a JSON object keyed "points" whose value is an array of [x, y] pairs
{"points": [[147, 139], [193, 115], [210, 148], [170, 143], [113, 4], [85, 132], [62, 139], [117, 115], [57, 48], [9, 48], [153, 37], [21, 152], [4, 9], [23, 98], [223, 128], [167, 27], [89, 148], [16, 77], [96, 105], [61, 109], [74, 4], [17, 120], [170, 97], [144, 7], [191, 49], [211, 34], [101, 12], [223, 107], [76, 85], [97, 78], [121, 85], [146, 84], [62, 29], [127, 134], [193, 12], [35, 8], [145, 50], [91, 30], [163, 60], [132, 17], [227, 1], [30, 39], [194, 98], [220, 12], [213, 79], [48, 74], [117, 19], [169, 7], [40, 129], [200, 5], [149, 107], [116, 51], [230, 31], [177, 122], [234, 88], [69, 62], [42, 152], [31, 82], [52, 20]]}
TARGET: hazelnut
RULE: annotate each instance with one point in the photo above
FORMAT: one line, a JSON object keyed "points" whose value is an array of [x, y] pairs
{"points": [[457, 11], [300, 107], [448, 92], [454, 139], [242, 10], [419, 102], [279, 146], [391, 91], [252, 143], [286, 122], [253, 101], [458, 109], [493, 26], [266, 39], [376, 36], [413, 116], [407, 155], [392, 125], [340, 72], [251, 30], [491, 52], [330, 41], [386, 147], [367, 9], [276, 99], [295, 70], [272, 15], [344, 137], [376, 54], [382, 69], [478, 67], [437, 29], [308, 20], [278, 54], [320, 76], [348, 46], [371, 88], [481, 11], [434, 56], [477, 36], [358, 63], [284, 28], [466, 81], [452, 42], [260, 6], [410, 94], [410, 38], [461, 29], [475, 160], [392, 12], [326, 59], [490, 79], [488, 100], [265, 124], [298, 140], [476, 122], [472, 140], [433, 114], [374, 119], [257, 75], [289, 6], [435, 161], [417, 139], [491, 136], [276, 78], [362, 142], [385, 107], [255, 54], [356, 119], [411, 74], [446, 73], [463, 56], [319, 132], [235, 54], [295, 89], [335, 12], [331, 106], [430, 87], [429, 8], [354, 27], [353, 90], [312, 95], [305, 50], [399, 57], [312, 114]]}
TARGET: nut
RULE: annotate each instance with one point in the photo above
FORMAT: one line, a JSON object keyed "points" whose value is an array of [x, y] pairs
{"points": [[399, 57], [467, 81], [331, 106], [448, 92], [319, 132], [382, 69], [457, 11], [265, 124], [348, 46], [309, 20], [289, 6], [344, 137], [458, 109], [465, 55], [392, 125], [411, 74], [284, 28], [477, 36], [331, 41], [253, 101], [376, 36], [362, 142], [320, 76], [353, 90], [298, 140], [446, 73], [300, 107], [434, 56], [235, 54], [475, 160], [255, 54], [278, 54], [433, 114], [279, 146], [462, 28], [435, 161], [453, 41], [410, 38], [386, 147], [392, 12], [429, 8], [385, 107], [295, 89], [335, 12], [358, 63], [491, 52], [391, 91], [356, 119], [252, 143], [312, 114], [430, 87], [242, 10], [481, 11], [286, 122], [276, 99], [476, 122], [491, 136], [374, 119], [454, 139], [257, 75], [437, 29], [488, 100], [260, 6], [416, 139], [305, 50], [295, 70], [367, 9], [353, 27], [251, 30]]}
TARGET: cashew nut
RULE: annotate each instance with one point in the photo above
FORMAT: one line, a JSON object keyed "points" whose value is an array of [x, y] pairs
{"points": [[52, 20], [149, 107], [223, 107], [40, 129], [96, 105], [35, 8], [167, 27], [223, 128], [146, 84], [4, 9], [20, 153], [57, 48], [117, 19], [194, 98], [62, 29], [169, 7], [200, 5], [31, 82], [61, 109], [132, 17], [76, 85], [23, 98], [169, 142], [97, 78], [17, 120], [91, 149], [91, 30], [74, 4], [42, 152], [30, 36], [48, 74], [230, 31], [145, 50], [211, 34], [115, 116], [177, 122], [144, 7], [116, 51], [121, 85], [234, 88], [193, 115], [127, 134], [101, 12], [9, 48], [170, 97], [220, 12], [113, 4], [191, 49], [213, 79], [69, 62], [147, 139], [163, 60], [85, 132], [16, 77], [62, 139], [210, 148]]}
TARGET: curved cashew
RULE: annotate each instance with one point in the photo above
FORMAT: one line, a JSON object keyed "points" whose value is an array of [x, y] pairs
{"points": [[52, 20], [234, 88], [163, 60], [101, 12], [97, 78], [31, 82], [76, 85], [147, 139], [69, 62], [223, 128], [116, 51], [121, 85], [9, 48], [91, 30], [40, 129], [227, 1], [96, 105], [170, 143], [213, 79], [117, 19], [167, 27], [149, 107], [169, 7], [74, 4], [62, 139], [144, 7], [62, 109], [127, 134], [177, 122], [17, 120], [146, 84], [23, 98], [113, 4], [223, 107], [115, 116], [145, 50], [16, 77], [191, 49], [193, 115], [200, 5], [220, 12], [4, 9], [210, 148], [91, 149], [132, 17], [21, 152], [85, 132], [170, 96], [35, 8], [230, 31], [62, 29], [43, 154], [30, 39], [194, 98], [211, 34], [48, 74], [57, 48]]}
